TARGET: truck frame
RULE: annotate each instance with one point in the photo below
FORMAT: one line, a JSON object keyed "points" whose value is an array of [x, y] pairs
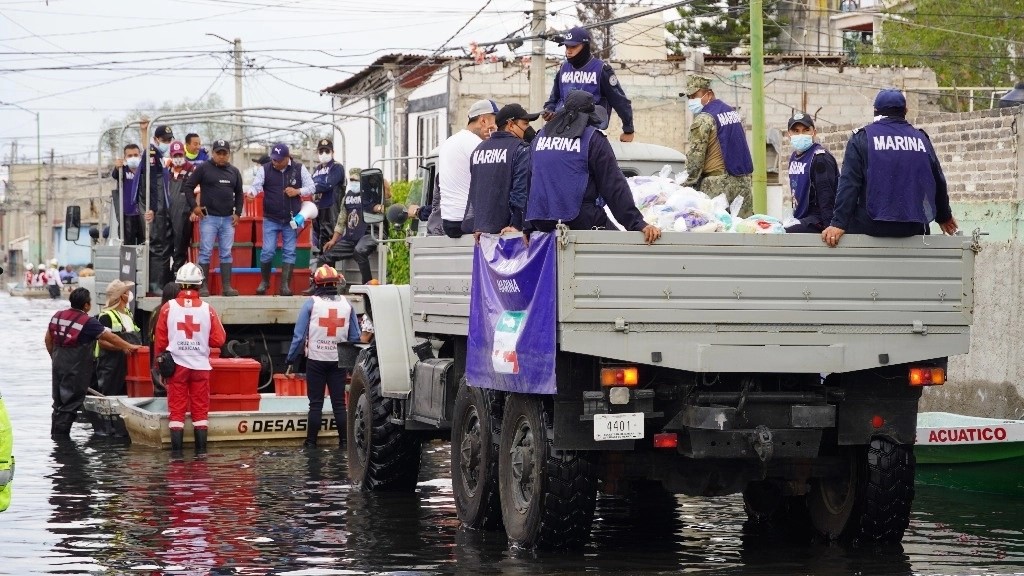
{"points": [[767, 365]]}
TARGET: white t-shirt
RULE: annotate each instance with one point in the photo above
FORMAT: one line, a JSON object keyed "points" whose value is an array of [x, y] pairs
{"points": [[453, 172]]}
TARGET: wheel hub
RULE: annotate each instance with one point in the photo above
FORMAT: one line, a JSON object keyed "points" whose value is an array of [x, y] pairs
{"points": [[361, 431], [523, 473], [470, 450]]}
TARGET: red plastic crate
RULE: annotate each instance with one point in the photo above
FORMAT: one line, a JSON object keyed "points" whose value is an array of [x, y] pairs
{"points": [[233, 376], [241, 255], [304, 239], [253, 207], [289, 385], [138, 364], [245, 230], [245, 280], [140, 387], [234, 402]]}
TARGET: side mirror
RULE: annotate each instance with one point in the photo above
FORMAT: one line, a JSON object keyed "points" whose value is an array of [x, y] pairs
{"points": [[397, 214], [73, 223], [371, 186]]}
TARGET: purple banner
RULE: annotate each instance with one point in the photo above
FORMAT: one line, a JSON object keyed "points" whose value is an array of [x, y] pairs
{"points": [[512, 314]]}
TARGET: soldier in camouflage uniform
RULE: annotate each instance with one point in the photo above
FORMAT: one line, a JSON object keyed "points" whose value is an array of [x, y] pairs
{"points": [[718, 159]]}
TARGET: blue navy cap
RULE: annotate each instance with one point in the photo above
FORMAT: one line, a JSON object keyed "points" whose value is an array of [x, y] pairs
{"points": [[575, 36], [890, 98], [279, 151]]}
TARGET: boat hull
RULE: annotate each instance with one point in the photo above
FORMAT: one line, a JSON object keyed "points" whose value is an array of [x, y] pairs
{"points": [[279, 419], [945, 438]]}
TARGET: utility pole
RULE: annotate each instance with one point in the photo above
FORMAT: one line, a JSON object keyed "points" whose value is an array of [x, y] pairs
{"points": [[760, 176], [236, 145], [537, 56], [45, 209]]}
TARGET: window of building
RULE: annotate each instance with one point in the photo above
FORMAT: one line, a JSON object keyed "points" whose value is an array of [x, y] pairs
{"points": [[426, 134], [380, 111]]}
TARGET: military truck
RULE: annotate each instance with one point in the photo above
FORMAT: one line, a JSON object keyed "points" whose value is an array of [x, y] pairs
{"points": [[706, 364]]}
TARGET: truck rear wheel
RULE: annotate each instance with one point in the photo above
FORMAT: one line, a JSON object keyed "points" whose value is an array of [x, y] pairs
{"points": [[476, 429], [381, 454], [871, 500], [547, 495]]}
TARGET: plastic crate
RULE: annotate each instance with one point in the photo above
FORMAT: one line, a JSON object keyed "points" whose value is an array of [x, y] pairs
{"points": [[253, 207], [245, 280], [245, 230], [304, 239], [234, 376], [140, 387], [302, 257], [241, 255], [138, 364], [234, 402], [290, 384]]}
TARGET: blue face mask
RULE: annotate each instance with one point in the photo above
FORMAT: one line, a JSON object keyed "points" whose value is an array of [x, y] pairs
{"points": [[694, 105], [801, 142], [163, 147]]}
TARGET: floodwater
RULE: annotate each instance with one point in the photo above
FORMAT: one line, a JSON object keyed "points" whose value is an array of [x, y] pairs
{"points": [[96, 506]]}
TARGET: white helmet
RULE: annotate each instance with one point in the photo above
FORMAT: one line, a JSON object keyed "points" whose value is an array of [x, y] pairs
{"points": [[53, 262], [29, 267], [189, 274]]}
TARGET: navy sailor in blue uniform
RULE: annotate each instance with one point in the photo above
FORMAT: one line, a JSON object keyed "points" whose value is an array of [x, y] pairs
{"points": [[582, 71], [891, 184]]}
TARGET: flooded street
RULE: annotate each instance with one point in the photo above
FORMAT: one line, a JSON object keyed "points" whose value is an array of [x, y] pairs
{"points": [[100, 506]]}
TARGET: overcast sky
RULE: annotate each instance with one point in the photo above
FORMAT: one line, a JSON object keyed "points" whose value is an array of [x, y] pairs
{"points": [[78, 63]]}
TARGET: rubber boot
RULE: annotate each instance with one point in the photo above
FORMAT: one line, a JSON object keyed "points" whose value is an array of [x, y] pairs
{"points": [[177, 440], [200, 437], [264, 278], [225, 279], [313, 428], [286, 280], [204, 289]]}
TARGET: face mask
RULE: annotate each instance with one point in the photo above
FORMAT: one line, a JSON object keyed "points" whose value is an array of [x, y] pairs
{"points": [[178, 161], [324, 157], [131, 296], [133, 162], [801, 142], [694, 105], [528, 134], [163, 147]]}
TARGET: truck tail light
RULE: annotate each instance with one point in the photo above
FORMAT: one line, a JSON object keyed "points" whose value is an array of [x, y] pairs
{"points": [[666, 440], [622, 376], [927, 376]]}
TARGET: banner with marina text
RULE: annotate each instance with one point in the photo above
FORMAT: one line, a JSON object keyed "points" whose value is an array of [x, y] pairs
{"points": [[512, 314]]}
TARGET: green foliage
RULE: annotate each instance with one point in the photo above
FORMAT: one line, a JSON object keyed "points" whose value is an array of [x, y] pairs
{"points": [[398, 252], [965, 43], [718, 26], [208, 131]]}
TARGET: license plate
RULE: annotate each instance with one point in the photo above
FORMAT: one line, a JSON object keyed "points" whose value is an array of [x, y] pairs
{"points": [[625, 426]]}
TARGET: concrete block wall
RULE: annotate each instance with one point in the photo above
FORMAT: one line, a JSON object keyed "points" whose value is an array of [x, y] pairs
{"points": [[982, 157]]}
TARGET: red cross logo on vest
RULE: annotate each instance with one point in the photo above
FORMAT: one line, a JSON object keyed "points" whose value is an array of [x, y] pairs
{"points": [[332, 322], [189, 326]]}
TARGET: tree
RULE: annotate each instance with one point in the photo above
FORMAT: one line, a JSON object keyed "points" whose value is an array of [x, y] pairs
{"points": [[965, 43], [601, 36], [207, 130], [718, 26]]}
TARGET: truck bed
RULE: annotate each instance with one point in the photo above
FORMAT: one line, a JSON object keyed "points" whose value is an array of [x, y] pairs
{"points": [[734, 302]]}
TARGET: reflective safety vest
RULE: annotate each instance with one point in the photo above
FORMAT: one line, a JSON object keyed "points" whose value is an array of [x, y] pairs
{"points": [[66, 326], [6, 457], [328, 321], [188, 335], [117, 326]]}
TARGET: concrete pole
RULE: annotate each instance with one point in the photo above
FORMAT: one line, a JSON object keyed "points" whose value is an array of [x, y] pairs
{"points": [[39, 194], [239, 130], [760, 177], [537, 56]]}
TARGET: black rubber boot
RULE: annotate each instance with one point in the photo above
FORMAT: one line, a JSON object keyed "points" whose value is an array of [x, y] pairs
{"points": [[177, 441], [225, 280], [264, 278], [200, 437], [204, 290], [286, 280], [313, 428]]}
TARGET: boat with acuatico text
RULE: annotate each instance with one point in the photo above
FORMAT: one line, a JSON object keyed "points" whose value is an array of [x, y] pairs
{"points": [[970, 453]]}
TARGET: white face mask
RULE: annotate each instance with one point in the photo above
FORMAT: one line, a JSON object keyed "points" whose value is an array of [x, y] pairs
{"points": [[324, 157], [133, 162], [178, 161], [131, 296]]}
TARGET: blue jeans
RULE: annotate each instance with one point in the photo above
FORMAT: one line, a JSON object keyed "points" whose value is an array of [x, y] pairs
{"points": [[219, 229], [271, 230]]}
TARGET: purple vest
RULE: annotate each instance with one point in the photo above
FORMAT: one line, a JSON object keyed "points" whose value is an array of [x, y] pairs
{"points": [[560, 176], [490, 170], [587, 79], [900, 184], [800, 180], [130, 202], [276, 205], [731, 138]]}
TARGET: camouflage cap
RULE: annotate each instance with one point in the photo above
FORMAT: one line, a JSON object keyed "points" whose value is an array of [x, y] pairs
{"points": [[697, 82]]}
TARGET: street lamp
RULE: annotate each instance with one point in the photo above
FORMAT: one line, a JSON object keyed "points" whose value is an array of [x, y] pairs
{"points": [[39, 183]]}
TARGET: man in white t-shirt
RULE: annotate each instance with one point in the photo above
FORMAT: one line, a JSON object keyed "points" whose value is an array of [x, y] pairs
{"points": [[453, 164]]}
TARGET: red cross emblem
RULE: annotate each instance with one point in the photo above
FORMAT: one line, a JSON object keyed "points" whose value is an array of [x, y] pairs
{"points": [[332, 322], [189, 326]]}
